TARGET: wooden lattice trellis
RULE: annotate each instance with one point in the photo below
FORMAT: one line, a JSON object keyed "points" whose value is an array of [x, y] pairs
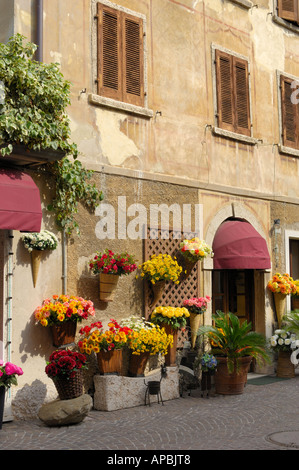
{"points": [[168, 242]]}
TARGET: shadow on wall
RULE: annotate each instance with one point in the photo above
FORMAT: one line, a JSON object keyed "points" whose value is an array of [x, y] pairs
{"points": [[30, 398]]}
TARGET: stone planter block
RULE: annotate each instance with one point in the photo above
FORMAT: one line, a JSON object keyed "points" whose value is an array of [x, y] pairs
{"points": [[114, 392]]}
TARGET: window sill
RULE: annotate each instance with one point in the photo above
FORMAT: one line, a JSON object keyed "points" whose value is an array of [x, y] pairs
{"points": [[285, 23], [110, 103], [243, 3], [288, 150], [233, 135]]}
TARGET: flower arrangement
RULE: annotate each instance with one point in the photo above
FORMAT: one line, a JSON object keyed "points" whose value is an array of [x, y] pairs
{"points": [[176, 317], [161, 267], [96, 339], [8, 373], [282, 283], [64, 364], [195, 249], [112, 263], [283, 341], [44, 240], [296, 293], [197, 305], [208, 363], [62, 308], [147, 337]]}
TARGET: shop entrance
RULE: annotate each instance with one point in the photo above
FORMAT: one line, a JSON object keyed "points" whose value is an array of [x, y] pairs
{"points": [[233, 291]]}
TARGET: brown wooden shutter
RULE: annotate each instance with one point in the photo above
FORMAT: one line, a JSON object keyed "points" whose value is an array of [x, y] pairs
{"points": [[290, 115], [288, 10], [224, 77], [109, 53], [233, 93], [133, 86], [242, 112]]}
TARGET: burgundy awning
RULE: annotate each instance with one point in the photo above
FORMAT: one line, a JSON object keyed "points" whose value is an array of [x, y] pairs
{"points": [[20, 207], [237, 245]]}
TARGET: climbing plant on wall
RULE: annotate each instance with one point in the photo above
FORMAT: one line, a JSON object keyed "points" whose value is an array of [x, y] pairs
{"points": [[33, 101]]}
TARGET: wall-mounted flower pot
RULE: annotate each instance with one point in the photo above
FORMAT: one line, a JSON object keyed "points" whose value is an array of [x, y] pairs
{"points": [[157, 291], [36, 256], [64, 333], [107, 285], [280, 306]]}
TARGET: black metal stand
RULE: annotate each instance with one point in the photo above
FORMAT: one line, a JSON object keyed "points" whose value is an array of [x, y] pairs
{"points": [[153, 387]]}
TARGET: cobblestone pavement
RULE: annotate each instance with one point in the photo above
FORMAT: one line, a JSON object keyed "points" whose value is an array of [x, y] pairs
{"points": [[239, 422]]}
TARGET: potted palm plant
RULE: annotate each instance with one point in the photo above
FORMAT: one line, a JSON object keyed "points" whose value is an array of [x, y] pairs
{"points": [[234, 345]]}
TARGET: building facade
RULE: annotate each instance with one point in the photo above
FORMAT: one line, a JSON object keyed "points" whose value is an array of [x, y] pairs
{"points": [[187, 104]]}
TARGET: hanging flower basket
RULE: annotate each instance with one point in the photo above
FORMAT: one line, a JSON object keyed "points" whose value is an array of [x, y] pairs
{"points": [[192, 251]]}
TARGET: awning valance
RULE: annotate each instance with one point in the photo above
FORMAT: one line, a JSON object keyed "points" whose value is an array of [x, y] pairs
{"points": [[20, 207], [237, 245]]}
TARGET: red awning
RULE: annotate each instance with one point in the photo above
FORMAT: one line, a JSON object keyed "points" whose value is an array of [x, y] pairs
{"points": [[237, 245], [20, 207]]}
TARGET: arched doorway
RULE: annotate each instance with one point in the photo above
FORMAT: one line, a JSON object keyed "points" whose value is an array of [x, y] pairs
{"points": [[239, 250]]}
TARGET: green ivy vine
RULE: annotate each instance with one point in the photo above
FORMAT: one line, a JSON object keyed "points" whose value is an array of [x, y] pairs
{"points": [[33, 101]]}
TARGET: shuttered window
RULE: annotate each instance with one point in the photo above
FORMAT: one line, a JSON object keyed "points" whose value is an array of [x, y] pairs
{"points": [[289, 10], [289, 114], [232, 80], [120, 56]]}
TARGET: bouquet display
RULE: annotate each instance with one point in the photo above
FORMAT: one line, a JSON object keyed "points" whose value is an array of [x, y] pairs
{"points": [[195, 249], [44, 240], [64, 364], [161, 267], [283, 284], [109, 262], [197, 305], [147, 337], [95, 338], [8, 373], [208, 363], [176, 317], [62, 308], [283, 341]]}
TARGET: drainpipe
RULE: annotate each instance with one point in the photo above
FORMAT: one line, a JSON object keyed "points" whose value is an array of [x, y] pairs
{"points": [[39, 30], [64, 263]]}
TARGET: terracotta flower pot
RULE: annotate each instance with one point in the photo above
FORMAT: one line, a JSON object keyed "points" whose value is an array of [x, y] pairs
{"points": [[231, 383], [110, 362]]}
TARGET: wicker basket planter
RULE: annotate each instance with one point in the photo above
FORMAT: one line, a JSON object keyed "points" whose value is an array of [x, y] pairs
{"points": [[285, 368], [69, 388]]}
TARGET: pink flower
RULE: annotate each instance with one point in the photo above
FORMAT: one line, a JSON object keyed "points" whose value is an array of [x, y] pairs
{"points": [[11, 369]]}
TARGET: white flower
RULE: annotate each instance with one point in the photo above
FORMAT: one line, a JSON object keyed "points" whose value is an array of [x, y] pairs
{"points": [[273, 341], [280, 341], [277, 332], [287, 341]]}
